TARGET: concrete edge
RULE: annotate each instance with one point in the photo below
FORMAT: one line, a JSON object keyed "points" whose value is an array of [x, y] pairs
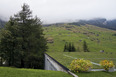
{"points": [[63, 67]]}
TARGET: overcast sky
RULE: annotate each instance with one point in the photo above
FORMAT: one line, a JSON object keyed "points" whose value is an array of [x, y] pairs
{"points": [[51, 11]]}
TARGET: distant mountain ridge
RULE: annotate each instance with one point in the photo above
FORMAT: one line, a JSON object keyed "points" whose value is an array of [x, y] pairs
{"points": [[100, 22]]}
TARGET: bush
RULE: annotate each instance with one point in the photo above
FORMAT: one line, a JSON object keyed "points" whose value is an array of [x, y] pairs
{"points": [[80, 65], [107, 64]]}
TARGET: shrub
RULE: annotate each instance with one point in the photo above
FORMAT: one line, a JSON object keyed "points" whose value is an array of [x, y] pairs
{"points": [[107, 64], [80, 65]]}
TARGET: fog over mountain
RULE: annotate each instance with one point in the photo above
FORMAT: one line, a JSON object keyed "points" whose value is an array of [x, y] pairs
{"points": [[52, 11]]}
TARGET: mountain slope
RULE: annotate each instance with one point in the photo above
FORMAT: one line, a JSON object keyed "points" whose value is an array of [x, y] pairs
{"points": [[97, 38]]}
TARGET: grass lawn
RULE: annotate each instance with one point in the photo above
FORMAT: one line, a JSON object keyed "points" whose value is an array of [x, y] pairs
{"points": [[97, 74], [17, 72], [92, 56]]}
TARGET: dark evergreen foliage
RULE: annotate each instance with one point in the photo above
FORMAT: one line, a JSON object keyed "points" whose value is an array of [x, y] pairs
{"points": [[23, 43], [69, 47], [114, 34], [73, 48], [66, 47], [85, 47], [2, 23]]}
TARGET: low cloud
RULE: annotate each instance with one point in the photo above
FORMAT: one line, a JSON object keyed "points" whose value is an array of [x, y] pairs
{"points": [[51, 11]]}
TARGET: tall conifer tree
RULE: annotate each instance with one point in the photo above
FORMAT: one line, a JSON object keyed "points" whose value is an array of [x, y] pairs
{"points": [[85, 47], [23, 36]]}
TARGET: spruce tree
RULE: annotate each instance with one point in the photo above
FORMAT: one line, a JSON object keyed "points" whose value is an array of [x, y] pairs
{"points": [[8, 42], [23, 40], [65, 47], [73, 48], [85, 48], [70, 47]]}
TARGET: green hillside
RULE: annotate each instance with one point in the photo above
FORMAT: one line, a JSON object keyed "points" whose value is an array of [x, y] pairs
{"points": [[97, 38]]}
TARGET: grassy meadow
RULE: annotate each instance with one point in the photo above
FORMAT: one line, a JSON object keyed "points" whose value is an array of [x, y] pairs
{"points": [[66, 58], [16, 72], [97, 74], [97, 38]]}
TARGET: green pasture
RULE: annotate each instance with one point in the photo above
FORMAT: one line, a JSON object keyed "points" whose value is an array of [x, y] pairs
{"points": [[97, 38], [17, 72], [97, 74], [66, 58], [92, 56]]}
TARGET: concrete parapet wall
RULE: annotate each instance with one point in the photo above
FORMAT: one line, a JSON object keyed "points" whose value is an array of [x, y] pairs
{"points": [[52, 64]]}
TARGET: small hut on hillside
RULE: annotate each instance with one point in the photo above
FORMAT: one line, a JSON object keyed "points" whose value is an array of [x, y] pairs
{"points": [[50, 40]]}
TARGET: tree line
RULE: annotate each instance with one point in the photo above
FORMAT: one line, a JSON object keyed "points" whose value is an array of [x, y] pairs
{"points": [[69, 47]]}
